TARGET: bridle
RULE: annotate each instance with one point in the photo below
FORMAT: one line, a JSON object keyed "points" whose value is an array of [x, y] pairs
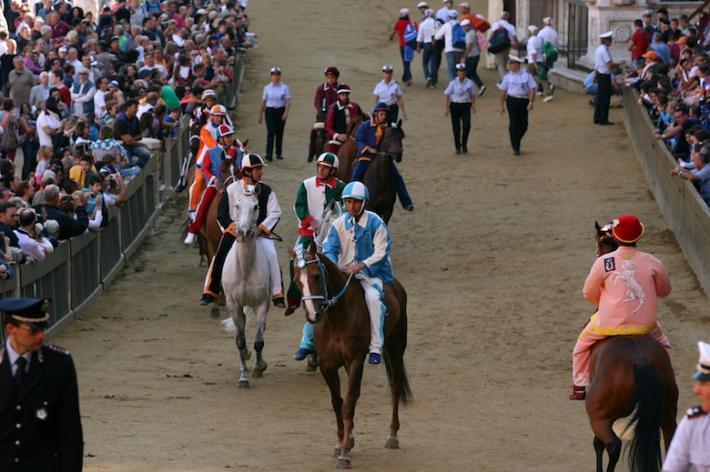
{"points": [[326, 300], [605, 238]]}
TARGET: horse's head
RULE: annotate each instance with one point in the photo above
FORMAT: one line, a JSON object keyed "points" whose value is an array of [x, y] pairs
{"points": [[605, 239], [392, 141], [330, 214], [247, 212], [310, 276]]}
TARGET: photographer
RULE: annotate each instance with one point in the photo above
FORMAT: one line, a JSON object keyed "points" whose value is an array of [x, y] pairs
{"points": [[95, 203], [115, 191], [32, 241]]}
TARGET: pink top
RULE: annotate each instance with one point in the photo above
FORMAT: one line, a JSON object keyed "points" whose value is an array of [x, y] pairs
{"points": [[625, 284]]}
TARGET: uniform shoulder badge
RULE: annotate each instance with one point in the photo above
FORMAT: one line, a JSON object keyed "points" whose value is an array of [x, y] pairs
{"points": [[55, 348], [695, 412]]}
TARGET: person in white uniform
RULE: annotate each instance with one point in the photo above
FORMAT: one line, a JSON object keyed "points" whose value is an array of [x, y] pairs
{"points": [[517, 95], [691, 442], [460, 102], [603, 66], [275, 105], [389, 92]]}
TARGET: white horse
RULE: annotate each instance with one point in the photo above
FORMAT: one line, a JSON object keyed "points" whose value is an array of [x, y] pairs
{"points": [[247, 283], [330, 214]]}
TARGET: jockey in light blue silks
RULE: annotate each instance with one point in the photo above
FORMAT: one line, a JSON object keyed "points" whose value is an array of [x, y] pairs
{"points": [[359, 243]]}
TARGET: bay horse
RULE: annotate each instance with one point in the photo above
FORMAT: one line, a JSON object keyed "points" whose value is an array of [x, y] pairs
{"points": [[246, 282], [630, 375], [211, 232], [342, 338], [379, 177], [347, 152]]}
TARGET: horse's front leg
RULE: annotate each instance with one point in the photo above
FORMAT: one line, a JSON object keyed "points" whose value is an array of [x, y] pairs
{"points": [[331, 377], [261, 312], [240, 321], [354, 369]]}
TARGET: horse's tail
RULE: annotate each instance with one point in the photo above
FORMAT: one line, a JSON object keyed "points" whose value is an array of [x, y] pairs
{"points": [[393, 354], [645, 449]]}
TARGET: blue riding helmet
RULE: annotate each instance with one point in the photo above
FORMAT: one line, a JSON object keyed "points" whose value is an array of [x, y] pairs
{"points": [[356, 190], [381, 107]]}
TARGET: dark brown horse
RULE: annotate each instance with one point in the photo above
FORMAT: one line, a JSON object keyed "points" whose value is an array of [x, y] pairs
{"points": [[348, 151], [342, 336], [630, 374], [379, 178]]}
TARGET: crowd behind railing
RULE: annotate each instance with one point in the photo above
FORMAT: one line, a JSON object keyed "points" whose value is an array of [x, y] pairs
{"points": [[670, 66], [84, 101]]}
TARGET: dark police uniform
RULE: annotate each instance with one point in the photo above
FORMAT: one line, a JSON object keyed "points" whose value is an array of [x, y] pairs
{"points": [[40, 424]]}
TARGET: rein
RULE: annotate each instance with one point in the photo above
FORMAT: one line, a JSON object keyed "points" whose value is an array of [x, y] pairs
{"points": [[328, 302]]}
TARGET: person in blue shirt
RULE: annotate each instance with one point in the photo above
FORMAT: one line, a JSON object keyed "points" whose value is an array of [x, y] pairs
{"points": [[661, 48], [367, 140]]}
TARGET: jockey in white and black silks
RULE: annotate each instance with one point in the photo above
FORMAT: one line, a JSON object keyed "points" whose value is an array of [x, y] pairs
{"points": [[269, 215]]}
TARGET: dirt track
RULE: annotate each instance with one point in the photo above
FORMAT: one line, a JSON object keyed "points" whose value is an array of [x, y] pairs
{"points": [[493, 261]]}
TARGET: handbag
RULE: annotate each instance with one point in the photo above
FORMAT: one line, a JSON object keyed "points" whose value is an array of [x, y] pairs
{"points": [[483, 43], [10, 140]]}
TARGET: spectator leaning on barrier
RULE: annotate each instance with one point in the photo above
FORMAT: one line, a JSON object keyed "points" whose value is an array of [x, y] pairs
{"points": [[68, 226], [32, 242], [700, 174]]}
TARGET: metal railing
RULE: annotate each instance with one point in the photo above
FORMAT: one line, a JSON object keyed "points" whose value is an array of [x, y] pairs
{"points": [[80, 268]]}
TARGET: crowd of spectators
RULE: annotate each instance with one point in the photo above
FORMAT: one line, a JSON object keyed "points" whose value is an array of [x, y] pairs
{"points": [[670, 66], [81, 95]]}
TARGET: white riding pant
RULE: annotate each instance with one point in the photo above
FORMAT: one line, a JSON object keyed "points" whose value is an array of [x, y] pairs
{"points": [[267, 245], [374, 298]]}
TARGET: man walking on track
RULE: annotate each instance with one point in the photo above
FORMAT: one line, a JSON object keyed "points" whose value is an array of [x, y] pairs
{"points": [[603, 67], [40, 424]]}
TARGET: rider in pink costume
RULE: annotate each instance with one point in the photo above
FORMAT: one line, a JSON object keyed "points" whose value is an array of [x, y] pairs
{"points": [[624, 284]]}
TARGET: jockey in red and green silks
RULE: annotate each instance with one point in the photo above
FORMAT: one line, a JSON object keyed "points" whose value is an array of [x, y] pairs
{"points": [[314, 196]]}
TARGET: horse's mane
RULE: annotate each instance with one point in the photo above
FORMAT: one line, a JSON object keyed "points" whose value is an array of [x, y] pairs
{"points": [[354, 124]]}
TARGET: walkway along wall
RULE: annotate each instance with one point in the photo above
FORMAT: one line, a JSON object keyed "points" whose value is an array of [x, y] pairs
{"points": [[679, 201], [82, 267]]}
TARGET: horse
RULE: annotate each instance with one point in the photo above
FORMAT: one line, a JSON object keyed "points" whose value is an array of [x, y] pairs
{"points": [[347, 152], [330, 214], [321, 139], [378, 178], [246, 282], [630, 375], [342, 337]]}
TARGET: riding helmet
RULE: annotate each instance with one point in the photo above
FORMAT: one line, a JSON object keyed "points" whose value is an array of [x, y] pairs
{"points": [[328, 159], [224, 130], [356, 190], [252, 160], [209, 93], [218, 110], [332, 70]]}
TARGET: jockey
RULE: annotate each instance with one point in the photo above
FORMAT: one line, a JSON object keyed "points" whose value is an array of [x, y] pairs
{"points": [[367, 139], [340, 114], [313, 197], [252, 169], [326, 95], [624, 284], [359, 243], [210, 169], [208, 140]]}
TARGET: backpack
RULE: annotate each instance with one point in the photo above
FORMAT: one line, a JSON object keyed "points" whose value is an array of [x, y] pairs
{"points": [[550, 53], [500, 41], [410, 36], [458, 37]]}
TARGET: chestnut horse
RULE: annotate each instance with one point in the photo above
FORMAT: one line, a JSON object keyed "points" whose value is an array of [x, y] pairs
{"points": [[342, 337], [211, 233], [630, 374]]}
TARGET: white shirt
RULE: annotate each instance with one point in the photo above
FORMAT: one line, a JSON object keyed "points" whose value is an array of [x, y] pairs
{"points": [[99, 103], [602, 57], [33, 248], [549, 35], [690, 446], [443, 14], [49, 120], [13, 356], [446, 31], [387, 93], [275, 96], [461, 91], [426, 31], [508, 27], [534, 48], [518, 84]]}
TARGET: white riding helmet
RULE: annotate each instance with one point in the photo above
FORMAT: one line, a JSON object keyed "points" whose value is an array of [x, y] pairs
{"points": [[328, 159], [356, 190]]}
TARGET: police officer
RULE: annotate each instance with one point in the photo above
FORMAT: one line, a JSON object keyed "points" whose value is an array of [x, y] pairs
{"points": [[275, 105], [691, 441], [517, 95], [388, 91], [603, 67], [460, 102], [40, 425]]}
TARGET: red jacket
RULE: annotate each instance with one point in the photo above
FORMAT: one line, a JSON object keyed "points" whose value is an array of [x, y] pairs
{"points": [[325, 97]]}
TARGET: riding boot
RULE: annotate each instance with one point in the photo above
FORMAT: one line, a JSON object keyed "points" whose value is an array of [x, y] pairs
{"points": [[401, 188], [293, 296], [578, 393], [312, 145], [202, 208], [213, 281]]}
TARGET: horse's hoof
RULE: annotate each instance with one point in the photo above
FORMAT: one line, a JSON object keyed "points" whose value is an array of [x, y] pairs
{"points": [[312, 363], [392, 443], [243, 384], [259, 370], [214, 312], [311, 368], [343, 463], [336, 451]]}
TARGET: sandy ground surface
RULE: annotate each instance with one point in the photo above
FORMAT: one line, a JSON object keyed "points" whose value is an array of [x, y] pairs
{"points": [[493, 260]]}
